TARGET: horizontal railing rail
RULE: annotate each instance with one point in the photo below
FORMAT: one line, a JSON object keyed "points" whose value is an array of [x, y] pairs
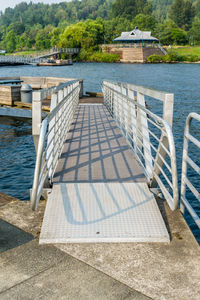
{"points": [[19, 59], [53, 132], [131, 45], [188, 161], [37, 58], [149, 135]]}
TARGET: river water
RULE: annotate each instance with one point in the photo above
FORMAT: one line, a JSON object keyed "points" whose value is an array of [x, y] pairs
{"points": [[17, 156]]}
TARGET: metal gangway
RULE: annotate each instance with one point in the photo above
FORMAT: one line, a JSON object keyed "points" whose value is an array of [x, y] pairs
{"points": [[38, 58], [101, 165]]}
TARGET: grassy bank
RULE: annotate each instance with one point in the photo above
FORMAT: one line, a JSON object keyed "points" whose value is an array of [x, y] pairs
{"points": [[177, 54], [187, 50]]}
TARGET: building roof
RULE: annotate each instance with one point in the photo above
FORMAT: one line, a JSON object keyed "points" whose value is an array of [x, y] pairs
{"points": [[135, 35]]}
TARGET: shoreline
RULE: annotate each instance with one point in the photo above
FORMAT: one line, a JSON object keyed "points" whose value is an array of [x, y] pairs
{"points": [[141, 63]]}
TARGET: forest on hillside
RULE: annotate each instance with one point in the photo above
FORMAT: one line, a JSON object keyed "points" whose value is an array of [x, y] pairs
{"points": [[88, 23]]}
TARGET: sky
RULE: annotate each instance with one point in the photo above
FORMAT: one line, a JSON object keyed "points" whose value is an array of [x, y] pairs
{"points": [[11, 3]]}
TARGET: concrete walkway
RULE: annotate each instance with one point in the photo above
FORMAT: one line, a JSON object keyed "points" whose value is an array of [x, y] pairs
{"points": [[31, 271], [97, 271]]}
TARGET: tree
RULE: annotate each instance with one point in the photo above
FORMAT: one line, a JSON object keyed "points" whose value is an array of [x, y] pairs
{"points": [[55, 36], [194, 32], [168, 33], [10, 41], [144, 22], [179, 36], [182, 13], [86, 35], [197, 8], [114, 27], [130, 8], [17, 27], [43, 38], [176, 12], [188, 14]]}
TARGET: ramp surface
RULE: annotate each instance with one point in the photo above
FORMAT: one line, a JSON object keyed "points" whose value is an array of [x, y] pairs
{"points": [[102, 212], [96, 151], [100, 193]]}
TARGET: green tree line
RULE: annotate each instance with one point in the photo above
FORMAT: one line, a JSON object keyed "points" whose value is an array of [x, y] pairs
{"points": [[88, 23]]}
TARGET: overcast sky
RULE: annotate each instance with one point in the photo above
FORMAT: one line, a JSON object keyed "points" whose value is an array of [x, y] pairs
{"points": [[12, 3]]}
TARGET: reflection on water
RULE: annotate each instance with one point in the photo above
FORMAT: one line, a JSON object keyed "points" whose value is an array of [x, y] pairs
{"points": [[16, 145]]}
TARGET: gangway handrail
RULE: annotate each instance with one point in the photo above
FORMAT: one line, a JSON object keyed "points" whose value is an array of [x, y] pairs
{"points": [[166, 98], [149, 135], [54, 128], [187, 160]]}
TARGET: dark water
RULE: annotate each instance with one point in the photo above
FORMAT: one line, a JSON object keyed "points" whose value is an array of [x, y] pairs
{"points": [[16, 146]]}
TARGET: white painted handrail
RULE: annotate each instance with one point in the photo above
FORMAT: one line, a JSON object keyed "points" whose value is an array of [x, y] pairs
{"points": [[149, 136], [53, 132], [187, 161]]}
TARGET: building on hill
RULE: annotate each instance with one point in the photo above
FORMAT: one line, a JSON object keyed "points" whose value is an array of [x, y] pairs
{"points": [[134, 46], [137, 36]]}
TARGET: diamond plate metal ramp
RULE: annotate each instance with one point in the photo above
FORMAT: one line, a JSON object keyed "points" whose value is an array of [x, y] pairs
{"points": [[102, 212]]}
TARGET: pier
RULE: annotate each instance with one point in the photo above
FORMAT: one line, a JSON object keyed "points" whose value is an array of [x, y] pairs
{"points": [[99, 183], [109, 172], [37, 59]]}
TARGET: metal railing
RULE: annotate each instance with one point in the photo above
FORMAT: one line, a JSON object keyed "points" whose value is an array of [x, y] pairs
{"points": [[19, 59], [54, 51], [132, 45], [162, 49], [188, 161], [149, 135], [37, 57], [54, 128]]}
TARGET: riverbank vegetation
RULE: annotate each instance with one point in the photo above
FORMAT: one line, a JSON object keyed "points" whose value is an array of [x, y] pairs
{"points": [[173, 57], [177, 54], [88, 23], [97, 57]]}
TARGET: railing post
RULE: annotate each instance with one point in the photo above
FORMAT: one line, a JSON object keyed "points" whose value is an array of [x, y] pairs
{"points": [[59, 121], [81, 88], [119, 112], [110, 93], [168, 108], [36, 117], [139, 141], [54, 101], [184, 162], [125, 110], [145, 135], [132, 114]]}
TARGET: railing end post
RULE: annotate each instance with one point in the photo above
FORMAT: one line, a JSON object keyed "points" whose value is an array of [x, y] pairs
{"points": [[36, 117]]}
